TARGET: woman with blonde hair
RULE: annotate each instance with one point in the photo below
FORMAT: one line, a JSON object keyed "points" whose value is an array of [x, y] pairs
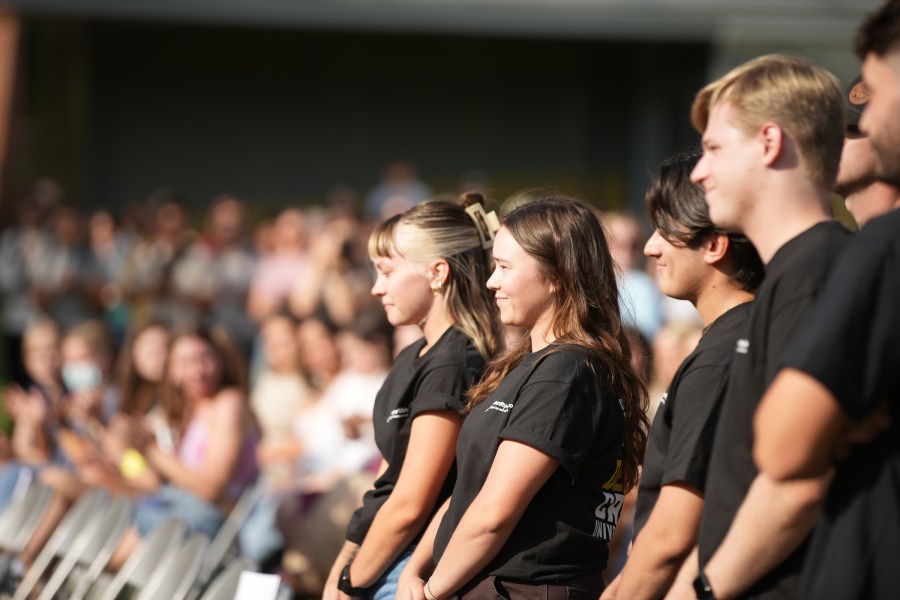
{"points": [[432, 263]]}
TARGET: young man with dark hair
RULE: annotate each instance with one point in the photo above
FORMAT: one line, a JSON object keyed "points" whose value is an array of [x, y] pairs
{"points": [[768, 168], [836, 404], [717, 272]]}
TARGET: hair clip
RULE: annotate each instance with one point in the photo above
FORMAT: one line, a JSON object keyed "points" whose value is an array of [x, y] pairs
{"points": [[486, 223]]}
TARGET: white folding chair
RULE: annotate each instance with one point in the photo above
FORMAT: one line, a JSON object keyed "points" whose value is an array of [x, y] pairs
{"points": [[90, 549], [227, 534], [23, 515], [82, 515], [225, 585], [174, 579], [160, 545]]}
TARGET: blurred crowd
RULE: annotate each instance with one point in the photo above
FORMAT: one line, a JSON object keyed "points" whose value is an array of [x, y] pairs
{"points": [[112, 318]]}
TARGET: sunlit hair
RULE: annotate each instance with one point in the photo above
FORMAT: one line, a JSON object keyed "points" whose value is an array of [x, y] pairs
{"points": [[439, 229], [233, 372], [880, 32], [677, 209], [802, 98], [566, 238]]}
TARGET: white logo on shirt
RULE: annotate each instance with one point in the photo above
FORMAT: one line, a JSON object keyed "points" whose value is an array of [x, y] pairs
{"points": [[500, 406], [742, 346], [398, 413], [607, 515]]}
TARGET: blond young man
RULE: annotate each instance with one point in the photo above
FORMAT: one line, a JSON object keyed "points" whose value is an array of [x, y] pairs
{"points": [[834, 405], [772, 135]]}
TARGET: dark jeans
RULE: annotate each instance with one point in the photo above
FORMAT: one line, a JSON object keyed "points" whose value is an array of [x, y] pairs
{"points": [[583, 587]]}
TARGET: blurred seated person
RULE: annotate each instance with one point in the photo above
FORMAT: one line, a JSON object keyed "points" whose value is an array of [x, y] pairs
{"points": [[216, 436], [33, 407], [338, 456]]}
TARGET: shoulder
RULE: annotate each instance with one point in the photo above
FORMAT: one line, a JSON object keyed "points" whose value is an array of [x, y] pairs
{"points": [[880, 236], [229, 400], [802, 265], [563, 363], [454, 349], [716, 347]]}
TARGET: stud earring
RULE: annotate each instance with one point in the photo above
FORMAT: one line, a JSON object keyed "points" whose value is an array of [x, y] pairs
{"points": [[436, 288]]}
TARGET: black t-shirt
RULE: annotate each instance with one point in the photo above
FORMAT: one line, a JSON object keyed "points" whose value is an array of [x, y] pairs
{"points": [[682, 433], [854, 350], [794, 278], [553, 402], [416, 384]]}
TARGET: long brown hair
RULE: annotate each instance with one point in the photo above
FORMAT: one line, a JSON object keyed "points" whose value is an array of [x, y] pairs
{"points": [[564, 234], [233, 371], [138, 395]]}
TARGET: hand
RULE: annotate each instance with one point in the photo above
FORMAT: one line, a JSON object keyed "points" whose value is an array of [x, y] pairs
{"points": [[77, 449], [134, 433], [610, 592], [864, 432], [416, 590], [331, 591], [403, 583], [85, 405], [26, 407], [114, 439]]}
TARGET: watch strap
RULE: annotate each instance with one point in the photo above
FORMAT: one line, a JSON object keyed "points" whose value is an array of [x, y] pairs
{"points": [[346, 586], [702, 587]]}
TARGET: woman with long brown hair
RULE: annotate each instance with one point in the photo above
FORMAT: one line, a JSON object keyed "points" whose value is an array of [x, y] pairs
{"points": [[555, 431]]}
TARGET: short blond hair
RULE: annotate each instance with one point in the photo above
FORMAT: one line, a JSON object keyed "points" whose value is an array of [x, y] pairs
{"points": [[801, 97]]}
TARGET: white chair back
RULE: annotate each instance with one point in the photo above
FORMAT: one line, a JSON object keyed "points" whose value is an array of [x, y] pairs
{"points": [[174, 579], [155, 549], [225, 585], [81, 516]]}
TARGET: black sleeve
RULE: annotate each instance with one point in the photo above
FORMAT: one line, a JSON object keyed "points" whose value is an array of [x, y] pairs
{"points": [[695, 411], [850, 344], [556, 418], [784, 327], [441, 388]]}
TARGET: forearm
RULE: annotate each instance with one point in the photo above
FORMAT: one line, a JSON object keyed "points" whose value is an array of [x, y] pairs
{"points": [[395, 525], [347, 553], [652, 566], [683, 586], [421, 563], [331, 591], [29, 443], [772, 522], [475, 542], [200, 482]]}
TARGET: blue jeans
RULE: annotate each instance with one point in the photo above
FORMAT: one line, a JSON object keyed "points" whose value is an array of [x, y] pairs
{"points": [[197, 514], [386, 587], [259, 536], [10, 477]]}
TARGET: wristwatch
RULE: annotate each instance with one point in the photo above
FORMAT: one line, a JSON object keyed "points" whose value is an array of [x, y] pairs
{"points": [[701, 587], [345, 586]]}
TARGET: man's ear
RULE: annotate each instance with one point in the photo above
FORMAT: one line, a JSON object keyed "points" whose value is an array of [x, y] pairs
{"points": [[716, 247], [772, 138]]}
